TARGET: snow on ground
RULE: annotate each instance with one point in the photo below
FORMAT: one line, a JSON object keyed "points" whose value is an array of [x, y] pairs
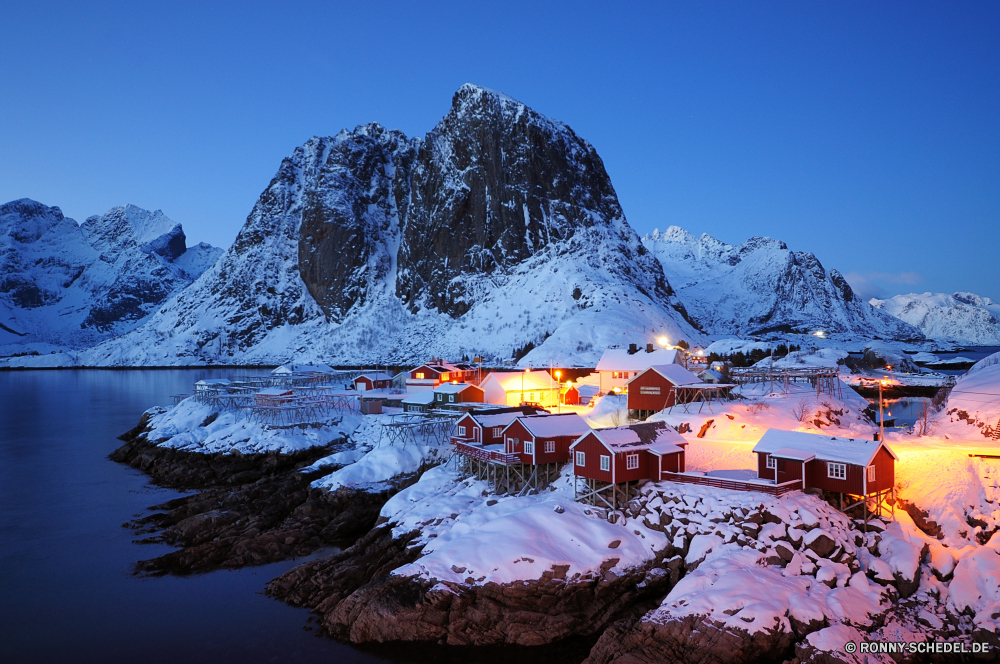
{"points": [[973, 407], [186, 427], [611, 410], [800, 409], [829, 358]]}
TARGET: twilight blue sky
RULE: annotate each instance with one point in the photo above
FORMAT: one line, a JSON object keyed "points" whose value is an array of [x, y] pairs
{"points": [[867, 133]]}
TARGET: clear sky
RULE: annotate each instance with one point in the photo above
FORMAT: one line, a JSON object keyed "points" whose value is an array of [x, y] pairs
{"points": [[867, 133]]}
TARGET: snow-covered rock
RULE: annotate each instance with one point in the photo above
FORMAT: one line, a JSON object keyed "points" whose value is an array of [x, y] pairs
{"points": [[964, 318], [497, 230], [69, 285], [762, 286]]}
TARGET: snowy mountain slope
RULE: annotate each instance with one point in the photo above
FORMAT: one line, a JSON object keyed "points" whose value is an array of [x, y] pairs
{"points": [[760, 286], [499, 229], [63, 284], [963, 318]]}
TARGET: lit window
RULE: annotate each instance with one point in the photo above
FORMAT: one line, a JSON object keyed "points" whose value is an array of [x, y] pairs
{"points": [[461, 431], [605, 462], [581, 459], [550, 446], [871, 473], [631, 461], [444, 376], [837, 471], [420, 374], [770, 462], [529, 447]]}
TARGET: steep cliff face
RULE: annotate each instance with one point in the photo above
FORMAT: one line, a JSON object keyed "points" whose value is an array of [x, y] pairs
{"points": [[73, 285], [761, 285], [500, 229]]}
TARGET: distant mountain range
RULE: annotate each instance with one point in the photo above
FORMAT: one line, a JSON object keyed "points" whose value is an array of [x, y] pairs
{"points": [[498, 234], [962, 318], [69, 285]]}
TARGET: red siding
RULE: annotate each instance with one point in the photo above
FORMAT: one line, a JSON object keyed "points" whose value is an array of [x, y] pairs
{"points": [[593, 449], [788, 470], [471, 394], [763, 472], [650, 391], [885, 471], [816, 476], [471, 426], [673, 463], [561, 454]]}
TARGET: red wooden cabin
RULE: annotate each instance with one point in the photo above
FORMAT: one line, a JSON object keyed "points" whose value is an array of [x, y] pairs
{"points": [[652, 390], [629, 453], [538, 439], [571, 396], [376, 380], [848, 466], [486, 427]]}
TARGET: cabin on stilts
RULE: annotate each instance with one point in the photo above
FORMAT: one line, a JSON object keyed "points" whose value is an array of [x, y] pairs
{"points": [[516, 452], [608, 462], [856, 471]]}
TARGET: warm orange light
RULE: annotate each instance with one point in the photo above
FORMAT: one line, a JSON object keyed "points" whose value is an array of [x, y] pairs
{"points": [[527, 370], [663, 341]]}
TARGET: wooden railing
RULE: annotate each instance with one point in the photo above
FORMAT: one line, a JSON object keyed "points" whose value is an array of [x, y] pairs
{"points": [[477, 452], [736, 485]]}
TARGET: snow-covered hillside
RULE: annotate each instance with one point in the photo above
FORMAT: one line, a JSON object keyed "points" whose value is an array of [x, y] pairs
{"points": [[499, 229], [761, 285], [69, 285], [963, 318]]}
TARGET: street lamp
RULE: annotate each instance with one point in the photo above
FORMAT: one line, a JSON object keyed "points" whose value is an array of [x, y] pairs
{"points": [[663, 341], [558, 392]]}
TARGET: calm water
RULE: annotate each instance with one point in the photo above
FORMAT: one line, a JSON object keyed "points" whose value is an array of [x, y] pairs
{"points": [[65, 591]]}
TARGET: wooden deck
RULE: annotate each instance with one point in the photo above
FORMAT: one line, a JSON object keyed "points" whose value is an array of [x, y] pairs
{"points": [[480, 454], [736, 485]]}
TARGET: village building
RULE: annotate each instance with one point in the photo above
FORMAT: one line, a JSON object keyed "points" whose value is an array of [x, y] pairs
{"points": [[843, 466], [653, 389], [711, 376], [430, 375], [617, 366], [211, 385], [513, 388], [450, 393], [511, 456], [419, 402], [608, 460], [373, 380]]}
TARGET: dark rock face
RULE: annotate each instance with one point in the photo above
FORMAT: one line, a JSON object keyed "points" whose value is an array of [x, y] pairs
{"points": [[361, 601], [693, 639], [252, 510], [349, 215], [494, 183]]}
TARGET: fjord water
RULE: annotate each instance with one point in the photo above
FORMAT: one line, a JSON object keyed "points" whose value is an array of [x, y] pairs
{"points": [[66, 592]]}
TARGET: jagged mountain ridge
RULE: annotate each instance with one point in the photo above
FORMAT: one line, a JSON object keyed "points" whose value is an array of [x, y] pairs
{"points": [[73, 285], [499, 229], [761, 286], [963, 318]]}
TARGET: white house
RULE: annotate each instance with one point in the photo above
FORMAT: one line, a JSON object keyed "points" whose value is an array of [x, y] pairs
{"points": [[620, 365], [512, 388]]}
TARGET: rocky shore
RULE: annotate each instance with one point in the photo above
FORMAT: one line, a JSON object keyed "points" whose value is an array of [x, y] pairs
{"points": [[250, 509]]}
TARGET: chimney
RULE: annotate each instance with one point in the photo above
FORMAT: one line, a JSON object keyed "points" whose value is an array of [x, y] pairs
{"points": [[875, 437], [632, 349], [649, 348]]}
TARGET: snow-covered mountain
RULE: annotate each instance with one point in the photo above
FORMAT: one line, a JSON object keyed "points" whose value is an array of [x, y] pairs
{"points": [[64, 284], [963, 318], [497, 230], [761, 286]]}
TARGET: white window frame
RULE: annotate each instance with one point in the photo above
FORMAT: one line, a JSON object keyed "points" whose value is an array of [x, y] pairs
{"points": [[836, 471], [771, 462], [529, 447], [605, 462], [581, 459], [461, 431], [631, 461], [550, 446], [497, 432], [451, 398], [870, 473]]}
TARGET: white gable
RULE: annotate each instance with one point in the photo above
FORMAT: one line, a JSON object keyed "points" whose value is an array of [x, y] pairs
{"points": [[619, 359]]}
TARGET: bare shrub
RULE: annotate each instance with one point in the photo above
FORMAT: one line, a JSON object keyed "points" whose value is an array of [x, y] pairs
{"points": [[800, 410]]}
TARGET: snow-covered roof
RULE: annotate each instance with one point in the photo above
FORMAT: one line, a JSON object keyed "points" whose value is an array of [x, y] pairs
{"points": [[855, 451], [563, 424], [710, 373], [376, 375], [453, 388], [674, 373], [795, 455], [419, 398], [439, 367], [664, 448], [496, 419], [619, 359], [637, 437], [511, 381], [213, 381]]}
